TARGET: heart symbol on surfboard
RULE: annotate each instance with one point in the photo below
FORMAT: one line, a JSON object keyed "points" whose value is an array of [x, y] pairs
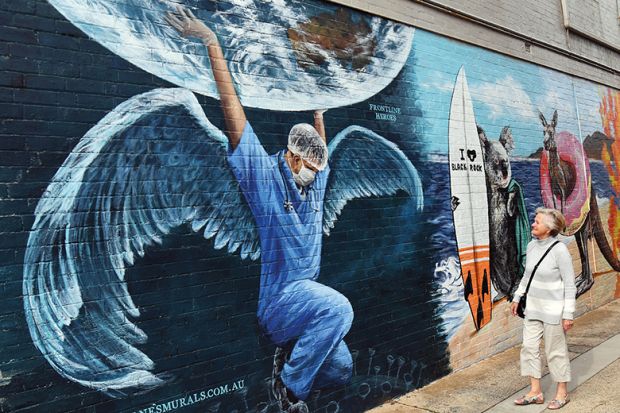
{"points": [[471, 154]]}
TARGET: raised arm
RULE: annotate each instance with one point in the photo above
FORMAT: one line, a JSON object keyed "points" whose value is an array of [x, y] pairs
{"points": [[189, 25], [319, 125]]}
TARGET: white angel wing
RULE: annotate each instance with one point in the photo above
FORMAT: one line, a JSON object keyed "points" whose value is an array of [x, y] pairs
{"points": [[364, 164], [152, 164]]}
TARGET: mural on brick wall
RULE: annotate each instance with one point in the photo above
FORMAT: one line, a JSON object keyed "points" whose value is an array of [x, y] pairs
{"points": [[156, 163], [565, 182], [610, 155], [568, 173], [282, 205]]}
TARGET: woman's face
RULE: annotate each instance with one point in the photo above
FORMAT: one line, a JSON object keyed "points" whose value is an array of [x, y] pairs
{"points": [[540, 229]]}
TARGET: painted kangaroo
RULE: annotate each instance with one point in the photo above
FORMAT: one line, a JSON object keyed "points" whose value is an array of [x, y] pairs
{"points": [[562, 173], [563, 180], [508, 221]]}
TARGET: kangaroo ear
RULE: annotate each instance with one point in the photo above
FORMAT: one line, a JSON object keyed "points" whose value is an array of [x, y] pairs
{"points": [[542, 118], [482, 136], [554, 121], [505, 138]]}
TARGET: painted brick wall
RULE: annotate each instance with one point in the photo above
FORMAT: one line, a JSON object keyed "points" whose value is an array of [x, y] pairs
{"points": [[143, 270]]}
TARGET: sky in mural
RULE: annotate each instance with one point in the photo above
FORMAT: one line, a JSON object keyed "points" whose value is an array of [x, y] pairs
{"points": [[505, 91]]}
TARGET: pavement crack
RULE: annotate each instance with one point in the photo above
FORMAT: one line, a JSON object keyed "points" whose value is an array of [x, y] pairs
{"points": [[425, 409]]}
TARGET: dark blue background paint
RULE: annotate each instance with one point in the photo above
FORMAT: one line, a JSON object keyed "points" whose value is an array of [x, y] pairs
{"points": [[198, 304]]}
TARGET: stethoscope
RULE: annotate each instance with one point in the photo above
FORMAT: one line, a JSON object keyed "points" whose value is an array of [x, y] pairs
{"points": [[288, 204]]}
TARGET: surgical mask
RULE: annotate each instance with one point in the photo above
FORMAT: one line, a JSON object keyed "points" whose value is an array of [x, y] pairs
{"points": [[305, 176]]}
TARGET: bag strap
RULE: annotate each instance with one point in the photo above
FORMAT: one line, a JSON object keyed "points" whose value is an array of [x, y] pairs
{"points": [[536, 267]]}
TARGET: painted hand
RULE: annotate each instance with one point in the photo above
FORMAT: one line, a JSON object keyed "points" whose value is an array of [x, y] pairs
{"points": [[511, 207], [567, 324], [188, 25]]}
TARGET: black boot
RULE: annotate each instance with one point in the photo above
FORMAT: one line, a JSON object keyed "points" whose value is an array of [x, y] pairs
{"points": [[286, 399]]}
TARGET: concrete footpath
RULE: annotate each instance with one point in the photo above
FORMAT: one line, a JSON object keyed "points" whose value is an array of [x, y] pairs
{"points": [[493, 384]]}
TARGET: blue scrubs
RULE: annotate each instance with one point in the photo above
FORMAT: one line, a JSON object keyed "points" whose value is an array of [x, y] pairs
{"points": [[292, 307]]}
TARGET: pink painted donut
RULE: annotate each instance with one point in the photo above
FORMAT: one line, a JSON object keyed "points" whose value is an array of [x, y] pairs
{"points": [[577, 204]]}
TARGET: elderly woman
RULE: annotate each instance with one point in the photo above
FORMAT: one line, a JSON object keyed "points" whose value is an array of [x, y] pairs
{"points": [[549, 310]]}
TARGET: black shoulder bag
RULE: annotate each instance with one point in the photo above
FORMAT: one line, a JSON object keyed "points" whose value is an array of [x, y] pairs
{"points": [[523, 300]]}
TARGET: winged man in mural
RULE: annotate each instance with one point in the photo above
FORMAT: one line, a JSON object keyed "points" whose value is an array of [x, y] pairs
{"points": [[155, 163]]}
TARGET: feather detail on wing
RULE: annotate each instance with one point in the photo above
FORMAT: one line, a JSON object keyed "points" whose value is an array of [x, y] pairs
{"points": [[364, 164], [152, 164]]}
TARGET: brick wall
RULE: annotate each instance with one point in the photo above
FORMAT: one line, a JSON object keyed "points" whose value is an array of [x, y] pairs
{"points": [[130, 274], [530, 31]]}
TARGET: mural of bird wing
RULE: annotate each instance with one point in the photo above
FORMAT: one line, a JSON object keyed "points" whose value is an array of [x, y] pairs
{"points": [[364, 164], [152, 164]]}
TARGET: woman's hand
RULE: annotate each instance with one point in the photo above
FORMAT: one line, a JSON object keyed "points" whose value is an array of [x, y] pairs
{"points": [[513, 308], [188, 25], [567, 324]]}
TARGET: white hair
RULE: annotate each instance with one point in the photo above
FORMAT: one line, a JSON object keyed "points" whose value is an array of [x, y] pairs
{"points": [[554, 220]]}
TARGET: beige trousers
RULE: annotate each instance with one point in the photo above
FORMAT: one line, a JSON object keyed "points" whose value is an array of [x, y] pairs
{"points": [[556, 350]]}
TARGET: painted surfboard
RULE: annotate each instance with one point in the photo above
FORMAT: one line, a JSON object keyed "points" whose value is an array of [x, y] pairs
{"points": [[469, 202]]}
